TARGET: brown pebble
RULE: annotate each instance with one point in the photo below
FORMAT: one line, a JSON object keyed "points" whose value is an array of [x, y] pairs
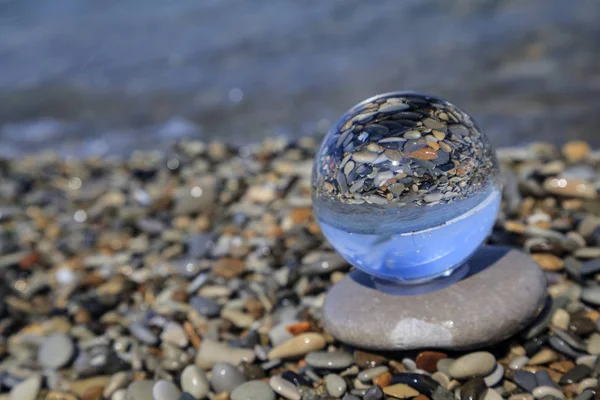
{"points": [[254, 307], [300, 215], [82, 316], [228, 268], [221, 396], [548, 262], [298, 328], [427, 360], [421, 397], [193, 337], [366, 360], [426, 153], [180, 295], [400, 391], [383, 380], [562, 366], [52, 395], [397, 367], [93, 393], [576, 151], [582, 326]]}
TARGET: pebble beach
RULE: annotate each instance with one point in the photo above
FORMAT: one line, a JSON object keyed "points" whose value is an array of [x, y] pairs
{"points": [[200, 273]]}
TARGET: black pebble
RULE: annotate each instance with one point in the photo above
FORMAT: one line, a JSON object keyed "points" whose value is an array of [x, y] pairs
{"points": [[575, 374], [474, 389], [296, 379], [421, 383]]}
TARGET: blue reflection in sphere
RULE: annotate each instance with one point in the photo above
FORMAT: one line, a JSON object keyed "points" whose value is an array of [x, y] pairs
{"points": [[406, 187]]}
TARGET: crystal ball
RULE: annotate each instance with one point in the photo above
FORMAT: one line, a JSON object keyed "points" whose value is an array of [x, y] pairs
{"points": [[406, 187]]}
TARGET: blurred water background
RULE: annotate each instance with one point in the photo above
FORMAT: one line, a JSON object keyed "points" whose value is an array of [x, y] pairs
{"points": [[83, 77]]}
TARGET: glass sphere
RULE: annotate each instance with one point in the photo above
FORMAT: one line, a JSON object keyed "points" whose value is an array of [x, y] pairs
{"points": [[406, 187]]}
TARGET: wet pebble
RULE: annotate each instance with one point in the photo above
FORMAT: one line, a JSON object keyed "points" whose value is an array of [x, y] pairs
{"points": [[165, 390], [26, 390], [284, 388], [56, 351], [139, 390], [211, 352], [543, 391], [298, 346], [329, 360], [480, 363], [336, 385], [194, 381], [473, 389], [576, 374], [368, 374], [525, 380], [225, 377], [253, 390]]}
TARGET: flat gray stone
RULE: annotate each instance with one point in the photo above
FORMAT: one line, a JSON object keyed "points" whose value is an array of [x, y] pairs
{"points": [[502, 293], [56, 351]]}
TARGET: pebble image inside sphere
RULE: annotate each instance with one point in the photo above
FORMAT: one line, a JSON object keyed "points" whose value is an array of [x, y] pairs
{"points": [[406, 187]]}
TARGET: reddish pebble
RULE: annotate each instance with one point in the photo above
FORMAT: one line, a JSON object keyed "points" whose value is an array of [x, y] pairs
{"points": [[428, 360], [426, 153]]}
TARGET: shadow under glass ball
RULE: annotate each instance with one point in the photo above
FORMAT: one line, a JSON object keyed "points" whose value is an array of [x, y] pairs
{"points": [[406, 187]]}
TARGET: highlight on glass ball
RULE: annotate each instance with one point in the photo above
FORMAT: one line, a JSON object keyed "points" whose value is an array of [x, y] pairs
{"points": [[406, 187]]}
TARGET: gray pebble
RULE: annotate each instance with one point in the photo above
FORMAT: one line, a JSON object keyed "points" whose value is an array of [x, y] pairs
{"points": [[143, 333], [253, 390], [495, 377], [562, 347], [284, 388], [586, 395], [525, 380], [139, 390], [225, 377], [374, 393], [165, 390], [194, 381], [518, 362], [543, 379], [26, 390], [479, 363], [56, 351], [543, 391], [205, 307], [329, 360], [591, 295], [335, 384], [368, 374]]}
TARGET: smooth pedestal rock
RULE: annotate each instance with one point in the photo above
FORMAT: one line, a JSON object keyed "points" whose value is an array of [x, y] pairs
{"points": [[502, 292]]}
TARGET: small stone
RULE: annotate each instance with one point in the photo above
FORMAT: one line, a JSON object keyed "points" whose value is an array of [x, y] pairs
{"points": [[374, 393], [368, 374], [492, 395], [480, 363], [211, 352], [298, 346], [495, 377], [383, 380], [329, 360], [548, 262], [543, 391], [562, 366], [336, 385], [473, 389], [427, 360], [195, 382], [225, 377], [228, 268], [143, 333], [561, 319], [93, 393], [591, 295], [575, 375], [253, 390], [165, 390], [56, 351], [175, 334], [26, 390], [518, 362], [420, 320], [205, 307], [588, 383], [525, 380], [426, 153], [139, 390], [284, 388], [576, 151], [368, 360], [400, 391], [544, 356]]}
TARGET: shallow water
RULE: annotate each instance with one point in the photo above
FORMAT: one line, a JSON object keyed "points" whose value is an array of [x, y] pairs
{"points": [[83, 77]]}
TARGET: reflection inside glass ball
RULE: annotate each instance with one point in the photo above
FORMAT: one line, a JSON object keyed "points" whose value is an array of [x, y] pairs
{"points": [[405, 187]]}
